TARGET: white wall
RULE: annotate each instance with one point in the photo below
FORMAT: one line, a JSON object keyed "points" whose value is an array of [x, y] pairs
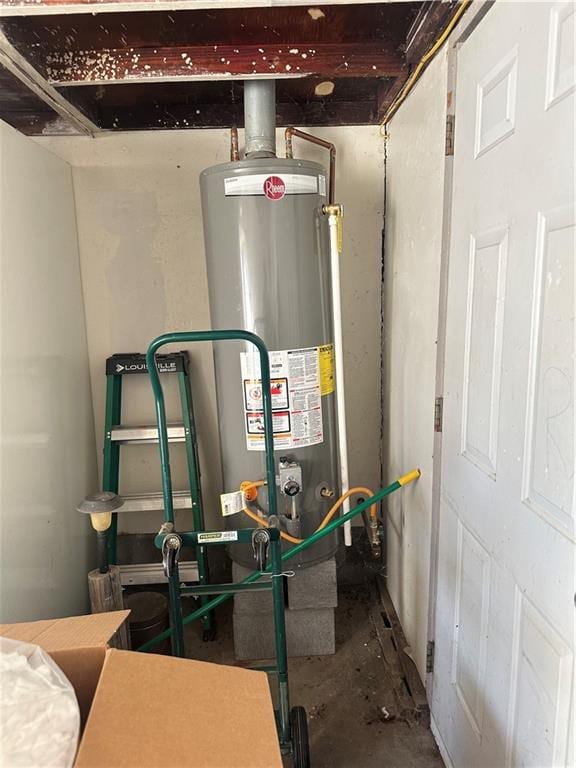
{"points": [[144, 272], [48, 460], [414, 216]]}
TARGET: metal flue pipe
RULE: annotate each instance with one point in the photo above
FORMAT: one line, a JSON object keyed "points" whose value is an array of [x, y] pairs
{"points": [[260, 118]]}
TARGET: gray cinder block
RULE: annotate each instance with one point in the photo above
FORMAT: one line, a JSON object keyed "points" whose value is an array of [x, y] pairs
{"points": [[308, 633], [250, 602], [312, 597], [314, 587]]}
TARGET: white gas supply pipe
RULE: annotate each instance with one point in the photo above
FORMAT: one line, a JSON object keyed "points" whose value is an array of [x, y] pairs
{"points": [[334, 213]]}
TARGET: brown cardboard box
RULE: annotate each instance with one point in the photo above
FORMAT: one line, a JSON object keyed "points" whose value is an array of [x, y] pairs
{"points": [[77, 644], [152, 711]]}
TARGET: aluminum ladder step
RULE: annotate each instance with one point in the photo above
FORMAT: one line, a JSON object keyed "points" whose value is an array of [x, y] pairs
{"points": [[152, 573], [154, 502], [126, 435]]}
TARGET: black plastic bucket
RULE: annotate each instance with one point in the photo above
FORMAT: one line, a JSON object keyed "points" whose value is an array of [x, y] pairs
{"points": [[149, 616]]}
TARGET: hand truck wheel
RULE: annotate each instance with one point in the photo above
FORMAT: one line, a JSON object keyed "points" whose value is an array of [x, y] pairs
{"points": [[299, 736]]}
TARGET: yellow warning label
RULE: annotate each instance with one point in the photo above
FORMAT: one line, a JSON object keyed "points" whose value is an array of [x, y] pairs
{"points": [[326, 359]]}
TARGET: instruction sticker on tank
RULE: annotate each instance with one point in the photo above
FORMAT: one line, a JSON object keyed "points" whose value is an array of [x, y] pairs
{"points": [[273, 186], [295, 387], [280, 423], [253, 395]]}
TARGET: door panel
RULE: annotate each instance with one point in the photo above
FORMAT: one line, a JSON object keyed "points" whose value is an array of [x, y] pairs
{"points": [[548, 479], [504, 670]]}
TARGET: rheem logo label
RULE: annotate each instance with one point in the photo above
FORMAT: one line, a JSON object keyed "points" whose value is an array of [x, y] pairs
{"points": [[274, 188]]}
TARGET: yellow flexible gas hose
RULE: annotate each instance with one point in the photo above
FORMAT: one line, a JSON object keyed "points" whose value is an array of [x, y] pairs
{"points": [[264, 523], [330, 514]]}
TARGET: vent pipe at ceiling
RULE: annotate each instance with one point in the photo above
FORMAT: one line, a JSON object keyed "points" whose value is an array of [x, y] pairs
{"points": [[260, 118]]}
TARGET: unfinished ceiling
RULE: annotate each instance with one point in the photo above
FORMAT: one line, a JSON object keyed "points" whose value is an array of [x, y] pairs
{"points": [[80, 66]]}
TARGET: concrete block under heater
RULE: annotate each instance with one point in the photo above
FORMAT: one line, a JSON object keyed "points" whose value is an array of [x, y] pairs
{"points": [[309, 632], [313, 587], [311, 596], [250, 602]]}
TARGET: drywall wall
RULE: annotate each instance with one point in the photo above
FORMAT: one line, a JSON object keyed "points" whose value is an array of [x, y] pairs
{"points": [[144, 272], [48, 460], [413, 239]]}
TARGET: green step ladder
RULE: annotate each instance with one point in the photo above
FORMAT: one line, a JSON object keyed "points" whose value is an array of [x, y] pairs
{"points": [[116, 435]]}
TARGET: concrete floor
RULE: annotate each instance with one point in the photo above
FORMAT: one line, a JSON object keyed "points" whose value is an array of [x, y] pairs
{"points": [[358, 715]]}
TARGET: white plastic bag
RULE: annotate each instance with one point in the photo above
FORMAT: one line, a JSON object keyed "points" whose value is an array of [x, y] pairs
{"points": [[39, 713]]}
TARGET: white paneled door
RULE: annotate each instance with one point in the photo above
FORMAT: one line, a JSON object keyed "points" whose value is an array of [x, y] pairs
{"points": [[503, 686]]}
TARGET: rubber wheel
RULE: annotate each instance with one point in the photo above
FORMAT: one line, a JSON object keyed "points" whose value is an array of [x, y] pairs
{"points": [[299, 735]]}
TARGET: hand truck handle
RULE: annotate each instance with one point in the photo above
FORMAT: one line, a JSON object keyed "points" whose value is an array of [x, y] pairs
{"points": [[185, 337]]}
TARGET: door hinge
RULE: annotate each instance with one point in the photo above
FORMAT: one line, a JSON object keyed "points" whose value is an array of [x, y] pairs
{"points": [[438, 413], [449, 135], [430, 656]]}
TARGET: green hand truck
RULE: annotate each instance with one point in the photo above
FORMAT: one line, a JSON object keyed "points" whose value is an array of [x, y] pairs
{"points": [[291, 723]]}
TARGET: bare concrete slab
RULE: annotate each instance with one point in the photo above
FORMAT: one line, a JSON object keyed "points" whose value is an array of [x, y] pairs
{"points": [[345, 694]]}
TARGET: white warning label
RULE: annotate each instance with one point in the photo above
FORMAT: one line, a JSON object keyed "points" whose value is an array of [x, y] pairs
{"points": [[231, 503], [295, 388]]}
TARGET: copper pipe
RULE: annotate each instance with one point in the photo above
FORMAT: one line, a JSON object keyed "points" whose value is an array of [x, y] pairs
{"points": [[234, 153], [290, 132]]}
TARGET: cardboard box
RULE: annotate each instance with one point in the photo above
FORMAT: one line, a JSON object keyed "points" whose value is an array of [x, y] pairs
{"points": [[77, 644], [152, 711]]}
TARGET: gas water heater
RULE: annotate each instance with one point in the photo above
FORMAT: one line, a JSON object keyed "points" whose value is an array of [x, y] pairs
{"points": [[268, 259]]}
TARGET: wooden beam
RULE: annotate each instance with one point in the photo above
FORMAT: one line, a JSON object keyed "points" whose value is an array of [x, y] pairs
{"points": [[140, 105], [431, 20], [17, 65], [53, 7], [221, 62], [385, 23], [387, 92], [25, 111], [200, 116], [425, 30]]}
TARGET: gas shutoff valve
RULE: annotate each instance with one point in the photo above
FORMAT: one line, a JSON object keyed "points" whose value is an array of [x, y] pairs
{"points": [[290, 477]]}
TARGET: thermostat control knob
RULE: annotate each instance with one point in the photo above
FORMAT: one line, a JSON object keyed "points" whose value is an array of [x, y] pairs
{"points": [[291, 488]]}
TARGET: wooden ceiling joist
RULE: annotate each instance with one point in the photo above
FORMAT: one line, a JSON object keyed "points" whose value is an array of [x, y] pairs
{"points": [[215, 116], [14, 63], [424, 31], [219, 104], [181, 63], [51, 7], [327, 60]]}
